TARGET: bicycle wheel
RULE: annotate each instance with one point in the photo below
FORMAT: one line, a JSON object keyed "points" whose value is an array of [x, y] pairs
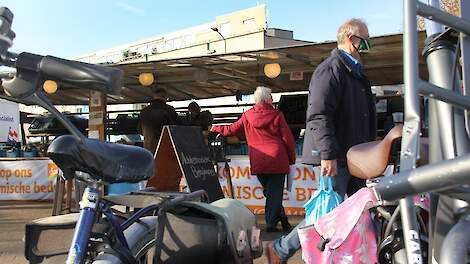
{"points": [[141, 240]]}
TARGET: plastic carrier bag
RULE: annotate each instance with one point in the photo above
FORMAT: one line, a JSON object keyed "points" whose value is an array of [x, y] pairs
{"points": [[345, 235], [323, 200]]}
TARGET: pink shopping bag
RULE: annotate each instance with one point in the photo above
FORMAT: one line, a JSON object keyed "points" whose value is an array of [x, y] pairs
{"points": [[345, 235]]}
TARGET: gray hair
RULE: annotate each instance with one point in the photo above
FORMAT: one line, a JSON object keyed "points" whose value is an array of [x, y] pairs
{"points": [[348, 28], [262, 94]]}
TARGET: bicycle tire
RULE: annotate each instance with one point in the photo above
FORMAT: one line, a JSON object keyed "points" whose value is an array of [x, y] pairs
{"points": [[141, 239]]}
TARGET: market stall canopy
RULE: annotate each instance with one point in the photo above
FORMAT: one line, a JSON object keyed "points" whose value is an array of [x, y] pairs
{"points": [[239, 73]]}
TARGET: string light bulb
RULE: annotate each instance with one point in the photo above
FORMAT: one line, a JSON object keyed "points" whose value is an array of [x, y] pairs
{"points": [[50, 86], [272, 70], [146, 78]]}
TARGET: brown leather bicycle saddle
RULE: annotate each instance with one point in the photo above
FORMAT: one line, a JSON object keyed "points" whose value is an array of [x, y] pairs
{"points": [[369, 160]]}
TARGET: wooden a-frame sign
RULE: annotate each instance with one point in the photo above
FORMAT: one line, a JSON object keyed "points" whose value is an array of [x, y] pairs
{"points": [[181, 152]]}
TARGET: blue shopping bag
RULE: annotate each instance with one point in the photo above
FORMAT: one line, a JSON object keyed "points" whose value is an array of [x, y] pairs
{"points": [[323, 200]]}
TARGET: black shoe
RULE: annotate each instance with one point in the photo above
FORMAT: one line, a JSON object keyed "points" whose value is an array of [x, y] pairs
{"points": [[271, 229], [286, 227]]}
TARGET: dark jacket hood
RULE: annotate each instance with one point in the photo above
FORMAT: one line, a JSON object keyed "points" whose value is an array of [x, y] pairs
{"points": [[261, 115]]}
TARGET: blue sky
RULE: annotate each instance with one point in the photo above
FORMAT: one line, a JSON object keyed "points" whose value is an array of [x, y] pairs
{"points": [[71, 28]]}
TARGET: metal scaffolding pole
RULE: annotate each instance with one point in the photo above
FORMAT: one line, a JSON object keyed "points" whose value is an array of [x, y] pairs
{"points": [[465, 49], [410, 139], [436, 14]]}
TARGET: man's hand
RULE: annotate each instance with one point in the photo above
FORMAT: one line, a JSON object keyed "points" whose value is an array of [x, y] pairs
{"points": [[328, 168]]}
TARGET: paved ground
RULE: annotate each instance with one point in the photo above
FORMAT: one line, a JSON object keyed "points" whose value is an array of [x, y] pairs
{"points": [[14, 216]]}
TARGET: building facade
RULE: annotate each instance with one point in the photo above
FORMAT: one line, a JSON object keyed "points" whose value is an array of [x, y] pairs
{"points": [[244, 30]]}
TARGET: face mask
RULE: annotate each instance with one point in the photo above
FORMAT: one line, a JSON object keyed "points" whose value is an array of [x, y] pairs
{"points": [[364, 45]]}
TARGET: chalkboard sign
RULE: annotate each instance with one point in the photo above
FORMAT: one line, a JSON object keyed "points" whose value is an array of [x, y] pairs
{"points": [[182, 152]]}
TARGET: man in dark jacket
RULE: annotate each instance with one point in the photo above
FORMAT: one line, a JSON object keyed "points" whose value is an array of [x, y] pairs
{"points": [[153, 117], [340, 114], [202, 119]]}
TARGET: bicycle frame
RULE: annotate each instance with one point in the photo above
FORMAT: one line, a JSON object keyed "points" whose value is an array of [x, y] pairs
{"points": [[92, 206], [450, 144], [88, 210]]}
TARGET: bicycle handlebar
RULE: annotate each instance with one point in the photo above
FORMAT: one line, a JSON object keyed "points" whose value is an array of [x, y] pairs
{"points": [[31, 67], [80, 74]]}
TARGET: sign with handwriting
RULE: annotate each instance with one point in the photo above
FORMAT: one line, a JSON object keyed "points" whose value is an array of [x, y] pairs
{"points": [[182, 152]]}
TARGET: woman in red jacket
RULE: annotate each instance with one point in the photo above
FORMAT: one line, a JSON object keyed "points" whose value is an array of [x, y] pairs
{"points": [[271, 149]]}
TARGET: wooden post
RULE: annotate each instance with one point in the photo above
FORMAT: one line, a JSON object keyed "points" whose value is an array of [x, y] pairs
{"points": [[97, 118], [58, 196]]}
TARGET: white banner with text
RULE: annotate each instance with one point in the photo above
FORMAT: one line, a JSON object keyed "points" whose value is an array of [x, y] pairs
{"points": [[248, 189], [27, 179], [9, 121]]}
